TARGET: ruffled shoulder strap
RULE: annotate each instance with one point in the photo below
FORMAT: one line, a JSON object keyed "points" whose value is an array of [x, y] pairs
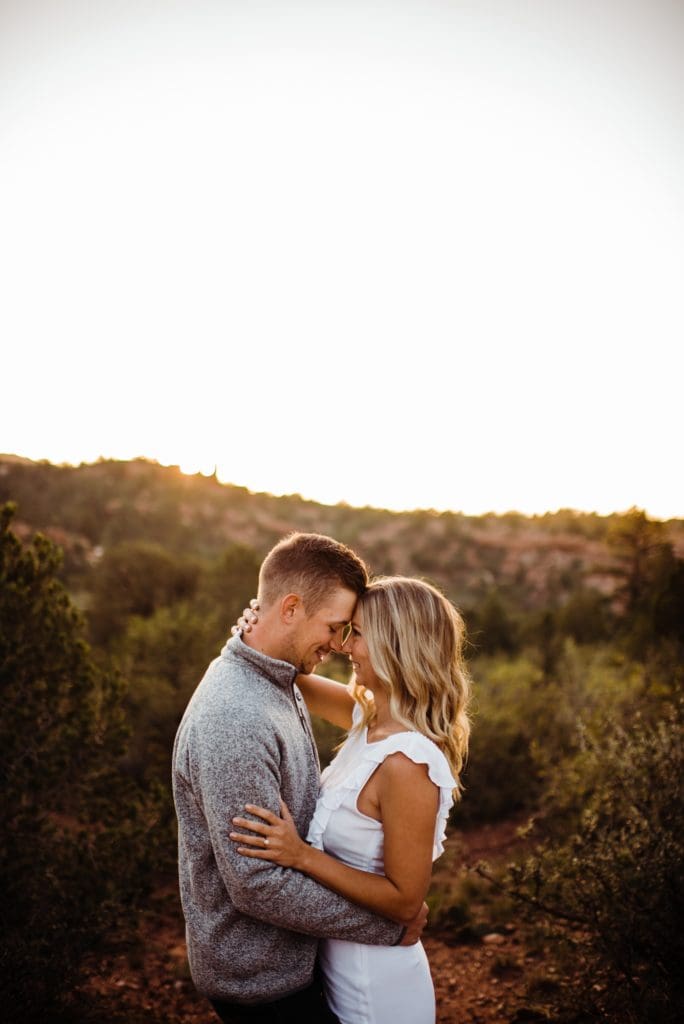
{"points": [[345, 777], [419, 749]]}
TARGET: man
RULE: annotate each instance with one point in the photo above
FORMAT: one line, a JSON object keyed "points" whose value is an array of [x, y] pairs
{"points": [[252, 927]]}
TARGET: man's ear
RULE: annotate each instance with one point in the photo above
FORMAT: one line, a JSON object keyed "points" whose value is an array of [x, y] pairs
{"points": [[290, 607]]}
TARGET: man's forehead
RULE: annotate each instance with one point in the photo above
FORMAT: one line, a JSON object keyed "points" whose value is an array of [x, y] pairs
{"points": [[339, 605]]}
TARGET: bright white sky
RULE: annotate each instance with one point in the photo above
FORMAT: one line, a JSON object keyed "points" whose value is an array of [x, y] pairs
{"points": [[415, 253]]}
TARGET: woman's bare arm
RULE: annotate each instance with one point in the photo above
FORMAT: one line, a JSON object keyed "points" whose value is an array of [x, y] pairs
{"points": [[408, 803], [327, 699]]}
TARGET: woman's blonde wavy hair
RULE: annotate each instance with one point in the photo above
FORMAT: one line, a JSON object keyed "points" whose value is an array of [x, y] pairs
{"points": [[415, 639]]}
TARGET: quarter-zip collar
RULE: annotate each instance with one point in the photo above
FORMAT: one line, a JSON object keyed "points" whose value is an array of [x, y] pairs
{"points": [[282, 673]]}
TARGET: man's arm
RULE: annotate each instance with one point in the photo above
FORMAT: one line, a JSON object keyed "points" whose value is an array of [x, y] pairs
{"points": [[408, 801], [239, 763]]}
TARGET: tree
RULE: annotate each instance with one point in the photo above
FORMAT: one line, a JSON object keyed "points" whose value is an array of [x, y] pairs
{"points": [[634, 539], [136, 578], [165, 657], [652, 581], [77, 850], [585, 617], [491, 627], [230, 582]]}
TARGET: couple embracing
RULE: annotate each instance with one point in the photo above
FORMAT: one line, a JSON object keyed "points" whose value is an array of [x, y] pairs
{"points": [[303, 894]]}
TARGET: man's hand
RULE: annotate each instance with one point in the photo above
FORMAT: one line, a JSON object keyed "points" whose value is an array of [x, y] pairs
{"points": [[414, 930]]}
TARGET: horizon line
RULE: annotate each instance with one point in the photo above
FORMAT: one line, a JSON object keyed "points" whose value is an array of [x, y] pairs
{"points": [[66, 463]]}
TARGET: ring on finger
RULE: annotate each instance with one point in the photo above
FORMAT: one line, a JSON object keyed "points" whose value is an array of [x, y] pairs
{"points": [[265, 842]]}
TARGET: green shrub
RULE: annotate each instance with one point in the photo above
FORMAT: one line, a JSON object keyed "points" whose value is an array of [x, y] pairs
{"points": [[613, 867], [79, 841], [524, 723], [136, 578], [164, 656]]}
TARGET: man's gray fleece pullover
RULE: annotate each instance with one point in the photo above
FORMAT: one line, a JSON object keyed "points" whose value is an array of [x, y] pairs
{"points": [[252, 927]]}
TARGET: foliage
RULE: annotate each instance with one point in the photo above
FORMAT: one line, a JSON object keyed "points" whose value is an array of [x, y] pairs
{"points": [[613, 866], [585, 616], [164, 656], [492, 626], [165, 653], [500, 776], [136, 578], [524, 722], [77, 847], [229, 582], [575, 621], [650, 582], [91, 509]]}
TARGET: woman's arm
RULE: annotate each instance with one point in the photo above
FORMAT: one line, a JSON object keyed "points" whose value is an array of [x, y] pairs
{"points": [[327, 699], [408, 805]]}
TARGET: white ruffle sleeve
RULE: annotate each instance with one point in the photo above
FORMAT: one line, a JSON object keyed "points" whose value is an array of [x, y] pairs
{"points": [[356, 762]]}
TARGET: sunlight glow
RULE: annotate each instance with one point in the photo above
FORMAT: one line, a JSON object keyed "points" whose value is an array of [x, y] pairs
{"points": [[409, 254]]}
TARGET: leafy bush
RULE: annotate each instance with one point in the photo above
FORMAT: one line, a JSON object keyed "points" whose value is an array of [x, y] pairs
{"points": [[229, 582], [164, 656], [136, 578], [78, 840], [525, 723], [614, 868], [501, 775]]}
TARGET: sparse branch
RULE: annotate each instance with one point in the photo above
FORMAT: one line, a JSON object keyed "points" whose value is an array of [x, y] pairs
{"points": [[532, 901]]}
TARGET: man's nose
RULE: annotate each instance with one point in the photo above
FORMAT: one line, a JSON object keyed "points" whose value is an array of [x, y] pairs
{"points": [[336, 642]]}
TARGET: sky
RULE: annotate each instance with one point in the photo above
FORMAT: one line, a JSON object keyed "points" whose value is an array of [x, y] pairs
{"points": [[410, 254]]}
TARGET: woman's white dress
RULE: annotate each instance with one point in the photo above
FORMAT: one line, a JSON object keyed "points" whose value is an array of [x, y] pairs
{"points": [[374, 984]]}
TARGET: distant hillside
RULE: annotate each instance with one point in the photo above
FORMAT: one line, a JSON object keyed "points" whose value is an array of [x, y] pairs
{"points": [[533, 560]]}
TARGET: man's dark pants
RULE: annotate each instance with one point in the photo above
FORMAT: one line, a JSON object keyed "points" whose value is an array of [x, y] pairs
{"points": [[305, 1007]]}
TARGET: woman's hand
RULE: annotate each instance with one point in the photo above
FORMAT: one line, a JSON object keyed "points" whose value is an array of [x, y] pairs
{"points": [[248, 618], [276, 839]]}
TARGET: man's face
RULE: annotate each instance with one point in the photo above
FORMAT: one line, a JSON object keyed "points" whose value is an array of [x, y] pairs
{"points": [[315, 636]]}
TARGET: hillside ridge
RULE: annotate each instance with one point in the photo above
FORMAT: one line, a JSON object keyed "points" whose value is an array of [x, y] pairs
{"points": [[534, 560]]}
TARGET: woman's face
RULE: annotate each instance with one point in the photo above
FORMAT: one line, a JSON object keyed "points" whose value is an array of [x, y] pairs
{"points": [[355, 647]]}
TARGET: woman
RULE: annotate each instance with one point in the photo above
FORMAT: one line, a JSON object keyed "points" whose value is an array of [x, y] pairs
{"points": [[380, 817]]}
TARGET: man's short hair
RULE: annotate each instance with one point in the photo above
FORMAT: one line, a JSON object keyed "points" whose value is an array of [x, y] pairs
{"points": [[311, 565]]}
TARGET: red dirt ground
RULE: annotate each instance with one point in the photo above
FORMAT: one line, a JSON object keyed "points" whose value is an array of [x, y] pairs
{"points": [[481, 981]]}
